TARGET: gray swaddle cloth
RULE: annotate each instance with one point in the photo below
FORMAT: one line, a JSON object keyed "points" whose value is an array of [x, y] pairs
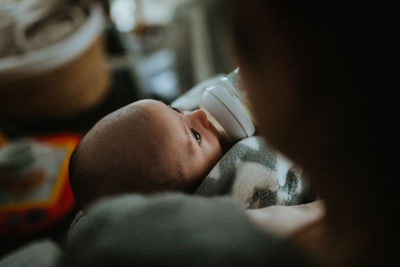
{"points": [[256, 175]]}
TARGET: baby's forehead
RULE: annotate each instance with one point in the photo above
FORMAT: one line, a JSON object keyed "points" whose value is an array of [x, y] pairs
{"points": [[146, 124], [164, 125], [156, 111], [126, 116]]}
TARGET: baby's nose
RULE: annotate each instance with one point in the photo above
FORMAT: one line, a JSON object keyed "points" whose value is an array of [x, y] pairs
{"points": [[199, 116]]}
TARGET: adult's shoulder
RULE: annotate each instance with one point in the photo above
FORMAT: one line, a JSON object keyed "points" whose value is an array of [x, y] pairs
{"points": [[173, 230]]}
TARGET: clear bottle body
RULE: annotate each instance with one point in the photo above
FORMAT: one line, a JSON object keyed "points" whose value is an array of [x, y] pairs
{"points": [[228, 109]]}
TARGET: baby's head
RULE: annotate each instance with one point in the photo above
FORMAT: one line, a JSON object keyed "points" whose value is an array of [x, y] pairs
{"points": [[144, 147]]}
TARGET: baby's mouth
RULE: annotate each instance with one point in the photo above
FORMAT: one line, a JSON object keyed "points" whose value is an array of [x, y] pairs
{"points": [[214, 130], [217, 129]]}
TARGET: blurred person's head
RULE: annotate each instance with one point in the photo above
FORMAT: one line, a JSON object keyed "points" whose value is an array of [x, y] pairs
{"points": [[319, 77], [144, 147]]}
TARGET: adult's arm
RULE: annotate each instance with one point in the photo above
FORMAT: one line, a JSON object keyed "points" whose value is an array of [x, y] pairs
{"points": [[284, 221], [174, 230]]}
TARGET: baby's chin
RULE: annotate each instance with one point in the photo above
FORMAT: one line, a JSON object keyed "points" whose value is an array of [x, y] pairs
{"points": [[191, 186]]}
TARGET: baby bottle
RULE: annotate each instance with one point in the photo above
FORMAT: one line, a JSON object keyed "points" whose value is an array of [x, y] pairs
{"points": [[228, 109]]}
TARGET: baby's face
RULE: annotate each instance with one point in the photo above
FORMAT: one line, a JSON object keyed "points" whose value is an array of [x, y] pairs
{"points": [[186, 137]]}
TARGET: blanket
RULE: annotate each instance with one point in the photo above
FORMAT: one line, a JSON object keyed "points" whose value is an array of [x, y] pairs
{"points": [[256, 175], [251, 171]]}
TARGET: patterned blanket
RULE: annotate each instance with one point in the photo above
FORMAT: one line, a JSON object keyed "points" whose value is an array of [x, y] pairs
{"points": [[256, 175]]}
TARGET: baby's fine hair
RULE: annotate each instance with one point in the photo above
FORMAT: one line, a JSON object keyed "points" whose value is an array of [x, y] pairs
{"points": [[115, 157]]}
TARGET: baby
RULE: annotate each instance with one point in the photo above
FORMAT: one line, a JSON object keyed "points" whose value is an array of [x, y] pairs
{"points": [[144, 147]]}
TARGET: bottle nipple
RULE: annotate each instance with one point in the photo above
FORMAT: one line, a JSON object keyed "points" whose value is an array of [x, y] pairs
{"points": [[221, 131]]}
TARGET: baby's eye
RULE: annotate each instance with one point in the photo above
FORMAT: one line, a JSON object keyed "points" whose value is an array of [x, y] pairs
{"points": [[196, 135], [177, 110]]}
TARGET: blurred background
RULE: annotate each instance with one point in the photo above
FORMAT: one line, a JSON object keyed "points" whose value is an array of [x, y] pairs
{"points": [[64, 64], [152, 49]]}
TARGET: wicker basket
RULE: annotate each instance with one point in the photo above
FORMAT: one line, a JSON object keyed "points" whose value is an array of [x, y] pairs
{"points": [[72, 85]]}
